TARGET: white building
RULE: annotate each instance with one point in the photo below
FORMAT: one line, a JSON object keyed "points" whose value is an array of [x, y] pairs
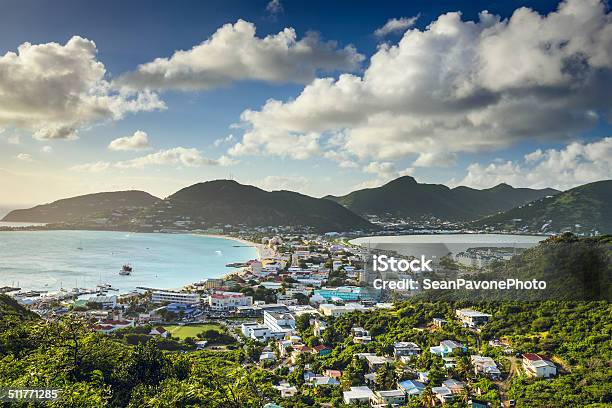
{"points": [[229, 300], [357, 394], [535, 366], [161, 296], [472, 318]]}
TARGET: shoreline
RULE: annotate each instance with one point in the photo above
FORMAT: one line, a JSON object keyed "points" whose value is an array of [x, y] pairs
{"points": [[259, 248]]}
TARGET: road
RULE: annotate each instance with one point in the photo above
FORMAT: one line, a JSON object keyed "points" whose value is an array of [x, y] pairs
{"points": [[505, 384]]}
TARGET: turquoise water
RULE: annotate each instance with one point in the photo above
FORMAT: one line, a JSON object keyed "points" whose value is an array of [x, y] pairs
{"points": [[49, 260]]}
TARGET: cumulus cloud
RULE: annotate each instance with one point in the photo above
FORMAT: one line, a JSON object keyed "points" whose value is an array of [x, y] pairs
{"points": [[224, 140], [26, 157], [456, 86], [47, 149], [138, 141], [578, 163], [54, 90], [189, 157], [292, 183], [235, 53], [396, 25]]}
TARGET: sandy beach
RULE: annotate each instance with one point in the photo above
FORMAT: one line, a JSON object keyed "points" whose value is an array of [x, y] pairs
{"points": [[263, 251]]}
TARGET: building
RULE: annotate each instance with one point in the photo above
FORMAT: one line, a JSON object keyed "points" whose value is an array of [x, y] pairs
{"points": [[229, 300], [412, 388], [447, 347], [486, 366], [106, 302], [472, 318], [277, 322], [335, 310], [345, 293], [405, 348], [384, 399], [443, 394], [162, 296], [159, 331], [212, 283], [256, 331], [286, 390], [535, 366], [357, 395], [374, 361], [361, 335], [438, 321]]}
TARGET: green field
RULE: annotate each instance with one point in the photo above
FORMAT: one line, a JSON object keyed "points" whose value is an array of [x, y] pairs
{"points": [[182, 332]]}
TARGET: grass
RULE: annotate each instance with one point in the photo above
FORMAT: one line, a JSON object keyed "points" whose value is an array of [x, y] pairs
{"points": [[182, 332]]}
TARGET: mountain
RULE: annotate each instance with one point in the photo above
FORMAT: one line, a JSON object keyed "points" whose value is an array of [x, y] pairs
{"points": [[582, 209], [228, 202], [85, 206], [405, 197]]}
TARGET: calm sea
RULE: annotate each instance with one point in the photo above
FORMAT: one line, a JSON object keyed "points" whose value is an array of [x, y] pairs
{"points": [[49, 260]]}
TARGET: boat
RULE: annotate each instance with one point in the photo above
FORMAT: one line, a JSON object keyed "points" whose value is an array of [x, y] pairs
{"points": [[126, 269]]}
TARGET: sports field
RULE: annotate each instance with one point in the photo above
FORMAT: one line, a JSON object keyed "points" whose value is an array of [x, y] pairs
{"points": [[182, 332]]}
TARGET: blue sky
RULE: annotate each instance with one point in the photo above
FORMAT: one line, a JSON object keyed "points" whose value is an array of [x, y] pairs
{"points": [[51, 149]]}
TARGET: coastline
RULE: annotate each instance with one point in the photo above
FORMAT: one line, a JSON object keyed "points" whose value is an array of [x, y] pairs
{"points": [[262, 250]]}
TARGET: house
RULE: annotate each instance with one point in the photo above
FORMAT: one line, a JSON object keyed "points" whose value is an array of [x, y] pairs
{"points": [[324, 380], [472, 318], [357, 395], [447, 347], [333, 373], [535, 366], [454, 385], [374, 361], [159, 331], [443, 394], [319, 327], [449, 362], [405, 348], [384, 399], [486, 366], [201, 344], [423, 376], [267, 356], [321, 350], [361, 335], [162, 296], [286, 390], [105, 302], [439, 322], [411, 388]]}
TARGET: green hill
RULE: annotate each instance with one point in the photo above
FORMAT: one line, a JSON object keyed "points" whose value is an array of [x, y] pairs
{"points": [[228, 202], [405, 197], [11, 311], [583, 209], [81, 207]]}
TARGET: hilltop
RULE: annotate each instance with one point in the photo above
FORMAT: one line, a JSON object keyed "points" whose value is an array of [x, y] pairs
{"points": [[585, 208], [81, 207], [405, 197], [229, 202]]}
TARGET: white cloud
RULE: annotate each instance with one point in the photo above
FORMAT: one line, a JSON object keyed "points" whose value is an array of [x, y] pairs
{"points": [[292, 183], [456, 86], [224, 140], [47, 149], [235, 53], [189, 157], [96, 167], [396, 25], [274, 7], [54, 90], [576, 164], [138, 141], [26, 157]]}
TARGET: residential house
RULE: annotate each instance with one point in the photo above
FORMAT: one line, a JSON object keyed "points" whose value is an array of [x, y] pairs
{"points": [[357, 395], [159, 331], [411, 388], [535, 366], [405, 349], [361, 335], [472, 318], [390, 398], [447, 347], [486, 366]]}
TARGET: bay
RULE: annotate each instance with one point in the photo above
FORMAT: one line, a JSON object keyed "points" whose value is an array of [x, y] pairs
{"points": [[49, 260]]}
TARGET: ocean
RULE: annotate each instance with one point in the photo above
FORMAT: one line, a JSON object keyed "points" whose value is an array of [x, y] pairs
{"points": [[50, 260]]}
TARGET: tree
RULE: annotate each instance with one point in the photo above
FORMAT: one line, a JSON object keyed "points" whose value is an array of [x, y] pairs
{"points": [[385, 376]]}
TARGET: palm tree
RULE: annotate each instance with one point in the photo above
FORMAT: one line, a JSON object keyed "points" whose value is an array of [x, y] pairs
{"points": [[428, 398], [464, 395]]}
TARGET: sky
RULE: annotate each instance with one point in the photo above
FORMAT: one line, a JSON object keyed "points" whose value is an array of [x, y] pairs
{"points": [[317, 97]]}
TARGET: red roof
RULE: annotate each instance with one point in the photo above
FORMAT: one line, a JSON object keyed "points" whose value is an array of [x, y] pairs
{"points": [[532, 356], [320, 347], [160, 330]]}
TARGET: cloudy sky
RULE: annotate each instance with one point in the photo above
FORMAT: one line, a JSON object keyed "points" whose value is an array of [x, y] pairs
{"points": [[318, 97]]}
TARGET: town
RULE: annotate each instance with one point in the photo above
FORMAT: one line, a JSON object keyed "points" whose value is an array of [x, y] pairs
{"points": [[301, 309]]}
